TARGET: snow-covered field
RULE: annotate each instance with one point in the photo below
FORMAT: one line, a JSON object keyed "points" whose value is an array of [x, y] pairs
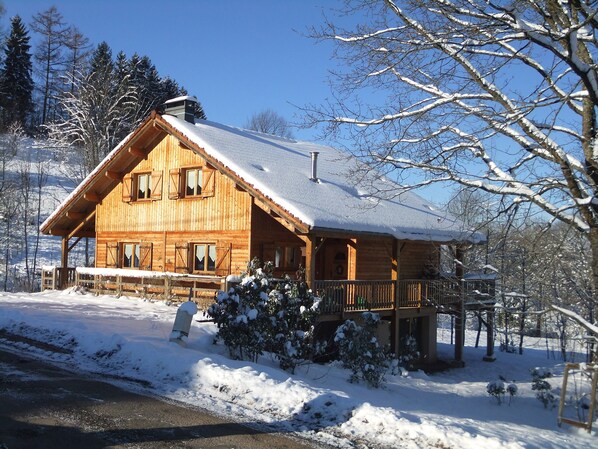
{"points": [[129, 337]]}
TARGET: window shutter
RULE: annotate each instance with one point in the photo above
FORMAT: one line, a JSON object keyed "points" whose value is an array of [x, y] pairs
{"points": [[174, 176], [207, 188], [156, 185], [268, 252], [111, 255], [145, 256], [127, 188], [181, 258], [223, 258]]}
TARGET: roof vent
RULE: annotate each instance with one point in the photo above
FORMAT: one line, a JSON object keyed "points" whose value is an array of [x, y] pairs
{"points": [[314, 166], [182, 107]]}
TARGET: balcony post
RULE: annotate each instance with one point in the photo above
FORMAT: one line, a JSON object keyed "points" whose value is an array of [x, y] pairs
{"points": [[64, 263], [310, 260]]}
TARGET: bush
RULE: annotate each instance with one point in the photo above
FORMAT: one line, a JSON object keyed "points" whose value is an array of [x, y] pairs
{"points": [[542, 386], [258, 315], [360, 351], [496, 389]]}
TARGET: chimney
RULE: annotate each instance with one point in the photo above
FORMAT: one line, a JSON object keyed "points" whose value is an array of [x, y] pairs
{"points": [[314, 166], [181, 107]]}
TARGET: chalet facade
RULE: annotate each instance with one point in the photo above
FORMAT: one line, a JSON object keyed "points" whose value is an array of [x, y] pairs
{"points": [[203, 199]]}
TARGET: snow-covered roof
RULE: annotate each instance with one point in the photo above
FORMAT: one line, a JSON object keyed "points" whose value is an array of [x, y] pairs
{"points": [[182, 98], [280, 169]]}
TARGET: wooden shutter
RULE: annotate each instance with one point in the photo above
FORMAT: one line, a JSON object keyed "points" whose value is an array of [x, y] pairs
{"points": [[174, 182], [156, 185], [111, 255], [127, 188], [208, 178], [145, 256], [223, 258], [268, 252], [181, 258]]}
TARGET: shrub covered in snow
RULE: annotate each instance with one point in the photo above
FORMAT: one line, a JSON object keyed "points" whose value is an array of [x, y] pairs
{"points": [[292, 311], [542, 387], [360, 351], [497, 390], [410, 353], [258, 315]]}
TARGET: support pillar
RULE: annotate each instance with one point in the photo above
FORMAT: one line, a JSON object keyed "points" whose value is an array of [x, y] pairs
{"points": [[310, 260], [64, 263]]}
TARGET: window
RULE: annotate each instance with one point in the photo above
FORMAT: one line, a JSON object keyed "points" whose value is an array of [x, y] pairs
{"points": [[204, 257], [287, 257], [143, 183], [131, 255], [193, 181], [136, 255]]}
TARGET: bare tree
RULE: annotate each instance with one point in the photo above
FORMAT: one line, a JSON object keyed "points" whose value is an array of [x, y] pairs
{"points": [[497, 96], [78, 50], [48, 54], [270, 122]]}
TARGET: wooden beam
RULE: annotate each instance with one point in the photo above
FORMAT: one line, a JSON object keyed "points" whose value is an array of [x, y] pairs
{"points": [[117, 176], [137, 152], [81, 225], [75, 215], [92, 197]]}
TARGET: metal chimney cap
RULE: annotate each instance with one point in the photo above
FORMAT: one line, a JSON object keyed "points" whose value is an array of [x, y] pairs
{"points": [[314, 166]]}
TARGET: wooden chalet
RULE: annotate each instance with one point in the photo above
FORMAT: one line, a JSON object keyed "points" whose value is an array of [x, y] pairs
{"points": [[196, 201]]}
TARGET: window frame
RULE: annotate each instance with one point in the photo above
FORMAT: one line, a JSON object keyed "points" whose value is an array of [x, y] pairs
{"points": [[136, 182], [198, 188], [136, 252], [206, 264]]}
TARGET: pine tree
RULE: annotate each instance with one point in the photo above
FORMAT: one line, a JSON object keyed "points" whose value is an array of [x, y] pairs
{"points": [[16, 84]]}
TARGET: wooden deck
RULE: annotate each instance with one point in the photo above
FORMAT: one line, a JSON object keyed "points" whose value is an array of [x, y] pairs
{"points": [[337, 297]]}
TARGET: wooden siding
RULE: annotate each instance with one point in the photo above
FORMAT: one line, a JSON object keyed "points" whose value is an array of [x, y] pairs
{"points": [[374, 258], [267, 234], [228, 209], [415, 258], [223, 219]]}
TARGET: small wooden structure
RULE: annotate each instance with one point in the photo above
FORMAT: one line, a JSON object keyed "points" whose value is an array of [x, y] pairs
{"points": [[203, 199], [592, 370]]}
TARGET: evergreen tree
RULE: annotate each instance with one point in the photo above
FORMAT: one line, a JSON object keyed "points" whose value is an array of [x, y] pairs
{"points": [[16, 84]]}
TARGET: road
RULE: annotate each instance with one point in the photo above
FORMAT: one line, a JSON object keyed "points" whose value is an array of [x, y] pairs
{"points": [[42, 406]]}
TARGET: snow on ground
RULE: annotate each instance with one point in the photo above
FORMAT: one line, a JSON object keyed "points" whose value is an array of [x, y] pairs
{"points": [[129, 337]]}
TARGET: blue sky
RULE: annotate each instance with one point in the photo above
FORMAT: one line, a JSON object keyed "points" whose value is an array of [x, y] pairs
{"points": [[238, 57]]}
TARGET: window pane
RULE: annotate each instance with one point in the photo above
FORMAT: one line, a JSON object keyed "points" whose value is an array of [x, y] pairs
{"points": [[211, 258], [278, 257], [143, 186], [200, 256], [127, 255], [191, 182]]}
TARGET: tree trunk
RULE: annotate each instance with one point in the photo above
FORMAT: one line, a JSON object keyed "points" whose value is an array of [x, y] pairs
{"points": [[593, 312]]}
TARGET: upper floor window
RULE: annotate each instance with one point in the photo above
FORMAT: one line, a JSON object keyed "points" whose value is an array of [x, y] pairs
{"points": [[143, 184], [193, 181]]}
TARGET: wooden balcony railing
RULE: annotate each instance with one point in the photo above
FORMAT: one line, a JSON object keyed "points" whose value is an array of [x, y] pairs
{"points": [[351, 296]]}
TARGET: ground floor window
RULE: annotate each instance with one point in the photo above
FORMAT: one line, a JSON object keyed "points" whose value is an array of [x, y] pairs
{"points": [[131, 255], [204, 257], [287, 257]]}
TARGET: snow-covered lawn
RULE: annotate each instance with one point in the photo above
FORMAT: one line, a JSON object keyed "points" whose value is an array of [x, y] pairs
{"points": [[129, 337]]}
